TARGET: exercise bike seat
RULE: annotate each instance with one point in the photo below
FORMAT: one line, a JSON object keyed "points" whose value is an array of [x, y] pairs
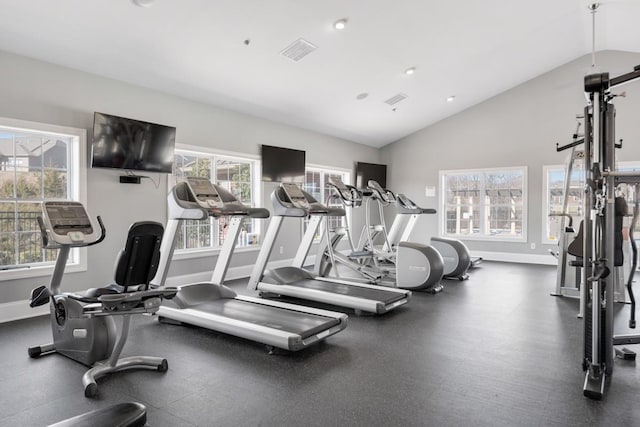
{"points": [[130, 414], [107, 290], [148, 300]]}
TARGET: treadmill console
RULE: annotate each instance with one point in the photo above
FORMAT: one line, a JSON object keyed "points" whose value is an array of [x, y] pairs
{"points": [[204, 192], [341, 187], [385, 196], [406, 202], [68, 223], [295, 195]]}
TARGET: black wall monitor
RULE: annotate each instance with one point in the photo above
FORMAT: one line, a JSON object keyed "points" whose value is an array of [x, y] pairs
{"points": [[367, 171], [282, 164], [123, 143]]}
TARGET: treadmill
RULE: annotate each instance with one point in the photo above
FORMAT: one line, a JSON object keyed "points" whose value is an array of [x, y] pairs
{"points": [[293, 281], [214, 306]]}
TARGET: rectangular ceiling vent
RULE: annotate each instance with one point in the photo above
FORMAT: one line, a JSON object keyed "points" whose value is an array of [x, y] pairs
{"points": [[298, 50], [395, 99]]}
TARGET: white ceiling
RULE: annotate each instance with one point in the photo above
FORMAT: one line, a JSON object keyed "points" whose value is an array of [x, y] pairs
{"points": [[473, 49]]}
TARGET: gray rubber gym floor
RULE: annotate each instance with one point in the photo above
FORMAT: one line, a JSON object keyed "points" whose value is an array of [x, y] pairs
{"points": [[495, 350]]}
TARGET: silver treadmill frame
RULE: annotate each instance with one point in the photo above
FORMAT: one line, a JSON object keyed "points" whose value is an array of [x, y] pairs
{"points": [[259, 333]]}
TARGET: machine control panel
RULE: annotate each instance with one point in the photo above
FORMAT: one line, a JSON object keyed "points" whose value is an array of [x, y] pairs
{"points": [[205, 193], [295, 195], [68, 222], [385, 196], [407, 202], [341, 187]]}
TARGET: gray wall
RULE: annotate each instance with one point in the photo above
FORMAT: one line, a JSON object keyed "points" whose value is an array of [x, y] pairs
{"points": [[519, 127], [41, 92]]}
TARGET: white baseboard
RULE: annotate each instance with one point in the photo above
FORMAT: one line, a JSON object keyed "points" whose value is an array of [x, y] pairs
{"points": [[17, 310], [515, 257]]}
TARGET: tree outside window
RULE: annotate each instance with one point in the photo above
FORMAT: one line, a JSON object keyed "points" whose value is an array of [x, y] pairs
{"points": [[34, 168], [234, 174]]}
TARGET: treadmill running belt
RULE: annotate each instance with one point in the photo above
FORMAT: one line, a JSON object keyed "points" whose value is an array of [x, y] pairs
{"points": [[387, 297], [303, 324]]}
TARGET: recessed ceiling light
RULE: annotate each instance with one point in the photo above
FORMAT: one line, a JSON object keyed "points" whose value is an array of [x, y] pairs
{"points": [[451, 98], [143, 3], [362, 96], [340, 24], [410, 71]]}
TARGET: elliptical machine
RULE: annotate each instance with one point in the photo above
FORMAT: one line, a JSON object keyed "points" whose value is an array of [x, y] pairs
{"points": [[455, 255], [411, 266], [82, 323]]}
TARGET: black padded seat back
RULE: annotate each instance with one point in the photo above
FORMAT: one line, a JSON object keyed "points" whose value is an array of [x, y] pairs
{"points": [[137, 263], [575, 247]]}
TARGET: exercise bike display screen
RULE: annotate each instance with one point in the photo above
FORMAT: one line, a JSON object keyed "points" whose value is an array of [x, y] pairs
{"points": [[295, 194], [65, 217], [204, 192]]}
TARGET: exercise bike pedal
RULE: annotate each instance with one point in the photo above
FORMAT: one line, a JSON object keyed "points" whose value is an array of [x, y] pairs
{"points": [[39, 296]]}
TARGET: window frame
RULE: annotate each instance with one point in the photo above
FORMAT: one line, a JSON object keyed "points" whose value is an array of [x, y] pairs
{"points": [[442, 174], [256, 192], [77, 179], [324, 170], [621, 166], [544, 238]]}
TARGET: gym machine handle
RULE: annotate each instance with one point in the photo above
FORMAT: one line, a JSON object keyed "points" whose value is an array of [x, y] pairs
{"points": [[103, 232], [45, 235], [570, 145], [634, 259], [48, 245], [565, 215]]}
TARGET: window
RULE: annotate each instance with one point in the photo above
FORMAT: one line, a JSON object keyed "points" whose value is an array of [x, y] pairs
{"points": [[237, 175], [486, 204], [317, 184], [553, 199], [38, 162]]}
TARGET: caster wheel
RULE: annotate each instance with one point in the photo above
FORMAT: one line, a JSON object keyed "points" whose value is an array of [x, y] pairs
{"points": [[91, 390], [164, 366]]}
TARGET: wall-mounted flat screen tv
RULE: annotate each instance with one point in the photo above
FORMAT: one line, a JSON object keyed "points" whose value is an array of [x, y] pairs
{"points": [[282, 164], [123, 143], [367, 171]]}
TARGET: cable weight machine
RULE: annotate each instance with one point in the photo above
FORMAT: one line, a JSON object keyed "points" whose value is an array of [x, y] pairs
{"points": [[601, 223]]}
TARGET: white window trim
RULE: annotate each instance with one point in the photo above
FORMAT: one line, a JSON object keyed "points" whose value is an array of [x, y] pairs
{"points": [[326, 168], [79, 187], [545, 200], [321, 168], [193, 253], [525, 192], [545, 203]]}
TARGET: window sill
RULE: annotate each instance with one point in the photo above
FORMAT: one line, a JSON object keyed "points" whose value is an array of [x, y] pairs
{"points": [[38, 271], [522, 239], [203, 253]]}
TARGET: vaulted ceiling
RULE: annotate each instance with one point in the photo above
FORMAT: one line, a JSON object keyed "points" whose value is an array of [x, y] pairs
{"points": [[353, 85]]}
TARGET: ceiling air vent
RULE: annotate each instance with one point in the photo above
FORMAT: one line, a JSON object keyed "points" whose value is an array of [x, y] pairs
{"points": [[298, 50], [395, 99]]}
